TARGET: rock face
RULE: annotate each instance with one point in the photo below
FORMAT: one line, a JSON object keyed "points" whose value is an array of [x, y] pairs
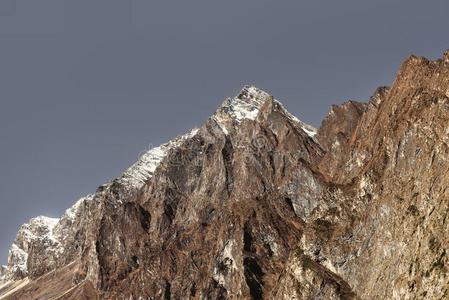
{"points": [[256, 204]]}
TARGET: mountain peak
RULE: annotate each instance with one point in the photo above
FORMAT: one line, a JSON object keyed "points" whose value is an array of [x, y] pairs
{"points": [[253, 205], [247, 105]]}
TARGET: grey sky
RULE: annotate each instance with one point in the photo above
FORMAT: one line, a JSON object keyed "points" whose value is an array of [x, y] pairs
{"points": [[86, 85]]}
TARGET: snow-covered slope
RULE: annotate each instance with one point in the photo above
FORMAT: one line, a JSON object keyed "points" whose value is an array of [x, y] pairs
{"points": [[246, 106], [136, 176]]}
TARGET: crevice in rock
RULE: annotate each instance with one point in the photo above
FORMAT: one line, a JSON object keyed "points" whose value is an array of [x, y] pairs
{"points": [[207, 216], [145, 219], [167, 292], [227, 153], [289, 203], [253, 277], [247, 239], [170, 206], [193, 290]]}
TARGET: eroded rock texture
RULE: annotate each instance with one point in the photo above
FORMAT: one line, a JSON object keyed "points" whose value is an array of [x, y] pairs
{"points": [[256, 204]]}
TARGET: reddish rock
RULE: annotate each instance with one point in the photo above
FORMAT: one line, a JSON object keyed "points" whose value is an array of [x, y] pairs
{"points": [[256, 204]]}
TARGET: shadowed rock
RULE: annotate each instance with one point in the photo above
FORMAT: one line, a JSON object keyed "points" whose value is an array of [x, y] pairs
{"points": [[256, 204]]}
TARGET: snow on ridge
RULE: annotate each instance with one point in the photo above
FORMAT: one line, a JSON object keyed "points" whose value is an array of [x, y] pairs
{"points": [[308, 129], [72, 211], [47, 221], [248, 103], [18, 258], [310, 132], [42, 228], [37, 229], [137, 175], [247, 106], [144, 168]]}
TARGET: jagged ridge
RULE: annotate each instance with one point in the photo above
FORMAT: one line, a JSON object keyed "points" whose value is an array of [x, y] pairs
{"points": [[256, 204]]}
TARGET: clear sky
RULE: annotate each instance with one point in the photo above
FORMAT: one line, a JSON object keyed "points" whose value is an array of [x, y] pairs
{"points": [[87, 85]]}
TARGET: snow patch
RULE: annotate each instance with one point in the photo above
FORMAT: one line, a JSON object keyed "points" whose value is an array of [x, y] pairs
{"points": [[39, 225], [310, 132], [308, 129], [20, 258], [246, 106], [139, 173], [72, 211], [39, 229]]}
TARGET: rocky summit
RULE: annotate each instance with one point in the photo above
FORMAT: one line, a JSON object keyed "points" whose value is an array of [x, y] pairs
{"points": [[256, 204]]}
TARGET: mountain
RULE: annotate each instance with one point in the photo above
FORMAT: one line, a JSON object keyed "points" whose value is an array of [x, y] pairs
{"points": [[256, 204]]}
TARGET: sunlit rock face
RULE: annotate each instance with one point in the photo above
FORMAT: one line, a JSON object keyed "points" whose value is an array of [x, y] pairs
{"points": [[256, 204]]}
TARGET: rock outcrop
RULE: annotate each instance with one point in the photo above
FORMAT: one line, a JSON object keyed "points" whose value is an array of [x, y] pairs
{"points": [[256, 204]]}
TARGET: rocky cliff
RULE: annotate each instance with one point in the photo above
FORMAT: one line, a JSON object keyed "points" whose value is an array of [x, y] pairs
{"points": [[256, 204]]}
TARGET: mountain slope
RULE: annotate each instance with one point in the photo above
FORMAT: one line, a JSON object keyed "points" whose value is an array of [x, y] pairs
{"points": [[257, 204]]}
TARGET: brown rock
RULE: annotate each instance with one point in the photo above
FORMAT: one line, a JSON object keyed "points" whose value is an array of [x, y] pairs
{"points": [[254, 205]]}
